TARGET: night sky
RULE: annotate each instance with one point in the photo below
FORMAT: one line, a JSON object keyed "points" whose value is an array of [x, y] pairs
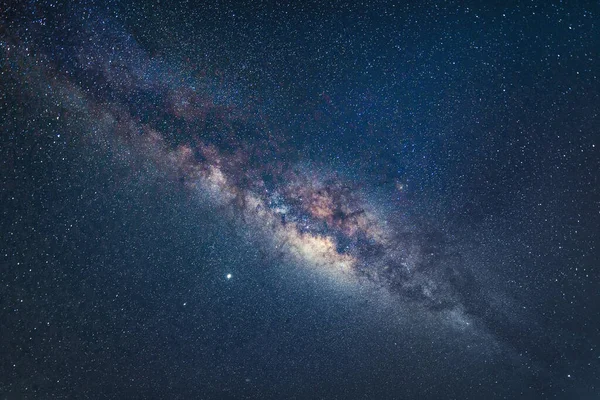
{"points": [[300, 200]]}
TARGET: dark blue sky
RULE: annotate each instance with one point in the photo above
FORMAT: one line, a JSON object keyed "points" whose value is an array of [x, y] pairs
{"points": [[406, 198]]}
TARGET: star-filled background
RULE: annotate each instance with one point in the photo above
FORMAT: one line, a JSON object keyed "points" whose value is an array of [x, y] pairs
{"points": [[299, 200]]}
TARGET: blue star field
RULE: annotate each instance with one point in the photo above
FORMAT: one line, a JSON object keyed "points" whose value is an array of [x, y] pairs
{"points": [[299, 200]]}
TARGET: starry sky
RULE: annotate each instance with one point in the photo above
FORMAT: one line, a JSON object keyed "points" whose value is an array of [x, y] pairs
{"points": [[300, 200]]}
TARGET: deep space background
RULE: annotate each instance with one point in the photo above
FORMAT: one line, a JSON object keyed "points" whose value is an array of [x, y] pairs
{"points": [[311, 200]]}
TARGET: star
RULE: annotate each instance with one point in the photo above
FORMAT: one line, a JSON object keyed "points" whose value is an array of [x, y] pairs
{"points": [[228, 276]]}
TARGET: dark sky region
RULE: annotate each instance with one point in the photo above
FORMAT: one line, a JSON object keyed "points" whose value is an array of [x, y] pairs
{"points": [[299, 200]]}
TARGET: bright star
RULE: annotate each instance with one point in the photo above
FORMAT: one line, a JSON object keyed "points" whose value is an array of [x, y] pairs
{"points": [[228, 276]]}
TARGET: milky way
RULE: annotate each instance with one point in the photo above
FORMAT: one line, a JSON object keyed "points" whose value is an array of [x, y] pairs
{"points": [[226, 151], [206, 134]]}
